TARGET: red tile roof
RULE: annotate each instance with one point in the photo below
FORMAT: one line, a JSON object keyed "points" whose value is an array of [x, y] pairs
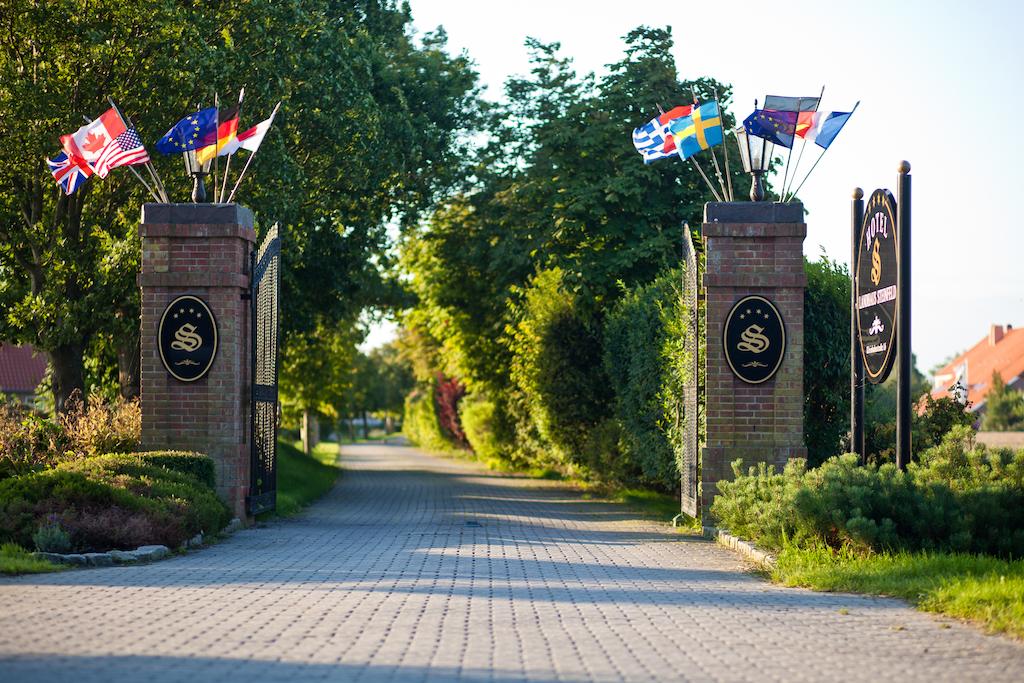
{"points": [[1002, 350], [21, 368]]}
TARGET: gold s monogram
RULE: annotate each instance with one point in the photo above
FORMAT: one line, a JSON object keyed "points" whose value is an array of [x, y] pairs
{"points": [[753, 340], [186, 339], [876, 264]]}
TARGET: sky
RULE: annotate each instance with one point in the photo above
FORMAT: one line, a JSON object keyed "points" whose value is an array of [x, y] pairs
{"points": [[939, 83]]}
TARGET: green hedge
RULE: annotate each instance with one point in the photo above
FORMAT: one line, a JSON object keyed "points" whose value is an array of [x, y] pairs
{"points": [[960, 497], [116, 501], [420, 424]]}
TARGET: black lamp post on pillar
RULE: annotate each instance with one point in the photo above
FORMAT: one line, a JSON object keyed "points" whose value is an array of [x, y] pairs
{"points": [[756, 154], [197, 171]]}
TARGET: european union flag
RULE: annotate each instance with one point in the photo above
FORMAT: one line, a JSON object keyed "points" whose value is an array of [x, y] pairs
{"points": [[193, 131], [702, 129], [775, 126]]}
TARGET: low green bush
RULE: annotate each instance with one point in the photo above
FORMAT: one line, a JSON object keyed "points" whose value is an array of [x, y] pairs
{"points": [[117, 501], [483, 424], [961, 497], [420, 423]]}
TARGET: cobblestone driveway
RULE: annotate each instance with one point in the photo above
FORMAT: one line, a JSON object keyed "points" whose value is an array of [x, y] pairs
{"points": [[417, 568]]}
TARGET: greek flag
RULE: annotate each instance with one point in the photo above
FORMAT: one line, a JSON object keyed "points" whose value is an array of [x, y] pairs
{"points": [[654, 140]]}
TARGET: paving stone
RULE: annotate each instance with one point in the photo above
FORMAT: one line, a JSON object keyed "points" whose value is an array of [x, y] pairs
{"points": [[384, 580]]}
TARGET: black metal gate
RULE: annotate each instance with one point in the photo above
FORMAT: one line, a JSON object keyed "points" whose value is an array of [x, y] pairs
{"points": [[265, 316], [690, 449]]}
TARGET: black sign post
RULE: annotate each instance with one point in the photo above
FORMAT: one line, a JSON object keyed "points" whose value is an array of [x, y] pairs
{"points": [[881, 306], [856, 360], [754, 339], [903, 397], [187, 338]]}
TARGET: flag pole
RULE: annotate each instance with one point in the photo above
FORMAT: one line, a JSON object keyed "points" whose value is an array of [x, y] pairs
{"points": [[803, 143], [821, 155], [227, 163], [249, 160], [725, 147], [705, 177], [216, 145], [125, 119], [151, 192]]}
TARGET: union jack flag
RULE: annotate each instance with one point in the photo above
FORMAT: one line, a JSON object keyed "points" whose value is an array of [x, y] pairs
{"points": [[70, 173], [654, 139], [124, 150]]}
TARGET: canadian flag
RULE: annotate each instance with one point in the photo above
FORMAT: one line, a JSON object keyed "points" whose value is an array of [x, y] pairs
{"points": [[91, 139]]}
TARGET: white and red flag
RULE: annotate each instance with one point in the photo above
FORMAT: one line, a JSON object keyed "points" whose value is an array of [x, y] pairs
{"points": [[106, 143]]}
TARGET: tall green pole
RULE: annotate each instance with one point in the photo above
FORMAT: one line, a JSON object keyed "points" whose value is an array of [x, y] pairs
{"points": [[903, 397]]}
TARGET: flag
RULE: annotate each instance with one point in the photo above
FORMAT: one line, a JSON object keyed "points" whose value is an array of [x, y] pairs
{"points": [[778, 127], [69, 172], [89, 142], [825, 127], [227, 130], [253, 138], [702, 129], [654, 140], [797, 104], [124, 150], [193, 131]]}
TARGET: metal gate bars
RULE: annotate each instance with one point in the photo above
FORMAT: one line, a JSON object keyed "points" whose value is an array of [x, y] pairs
{"points": [[691, 439], [265, 301]]}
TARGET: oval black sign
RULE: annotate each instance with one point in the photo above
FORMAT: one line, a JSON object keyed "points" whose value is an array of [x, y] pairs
{"points": [[187, 338], [754, 339], [877, 295]]}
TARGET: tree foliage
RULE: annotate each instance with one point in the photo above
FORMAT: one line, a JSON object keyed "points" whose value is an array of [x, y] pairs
{"points": [[371, 131], [1004, 407]]}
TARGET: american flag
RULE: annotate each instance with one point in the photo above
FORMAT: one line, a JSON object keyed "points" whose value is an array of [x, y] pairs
{"points": [[69, 173], [124, 150]]}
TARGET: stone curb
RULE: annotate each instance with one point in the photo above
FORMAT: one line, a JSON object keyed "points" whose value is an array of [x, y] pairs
{"points": [[144, 553], [745, 548]]}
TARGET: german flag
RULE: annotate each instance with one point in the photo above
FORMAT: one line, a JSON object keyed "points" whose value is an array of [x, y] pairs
{"points": [[227, 130]]}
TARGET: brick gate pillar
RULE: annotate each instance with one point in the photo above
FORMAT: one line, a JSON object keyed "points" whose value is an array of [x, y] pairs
{"points": [[752, 249], [200, 250]]}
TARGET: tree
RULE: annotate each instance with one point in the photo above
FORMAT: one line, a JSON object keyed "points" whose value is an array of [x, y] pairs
{"points": [[1004, 407], [369, 132]]}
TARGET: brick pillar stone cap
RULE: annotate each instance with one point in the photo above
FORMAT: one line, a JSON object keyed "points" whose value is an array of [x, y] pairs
{"points": [[208, 214], [753, 212]]}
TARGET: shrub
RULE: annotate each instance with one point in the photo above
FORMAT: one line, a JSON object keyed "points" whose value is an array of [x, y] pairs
{"points": [[448, 392], [635, 335], [50, 537], [101, 427], [556, 364], [485, 427], [112, 501], [28, 442], [826, 358], [419, 422], [960, 498]]}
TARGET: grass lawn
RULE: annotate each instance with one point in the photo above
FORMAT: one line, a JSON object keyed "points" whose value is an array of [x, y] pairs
{"points": [[301, 479], [982, 589], [16, 560]]}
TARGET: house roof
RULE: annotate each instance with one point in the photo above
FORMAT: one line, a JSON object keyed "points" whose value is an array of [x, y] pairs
{"points": [[21, 369], [1001, 350]]}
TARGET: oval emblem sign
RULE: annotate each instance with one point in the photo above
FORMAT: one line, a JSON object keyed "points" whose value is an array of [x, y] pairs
{"points": [[187, 338], [755, 339], [877, 267]]}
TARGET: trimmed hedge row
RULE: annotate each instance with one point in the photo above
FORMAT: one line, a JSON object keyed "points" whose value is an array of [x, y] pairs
{"points": [[115, 501]]}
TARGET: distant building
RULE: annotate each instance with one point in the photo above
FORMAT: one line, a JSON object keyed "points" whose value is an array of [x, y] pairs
{"points": [[21, 370], [1001, 351]]}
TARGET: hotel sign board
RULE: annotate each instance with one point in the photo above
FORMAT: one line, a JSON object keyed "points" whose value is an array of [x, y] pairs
{"points": [[877, 292]]}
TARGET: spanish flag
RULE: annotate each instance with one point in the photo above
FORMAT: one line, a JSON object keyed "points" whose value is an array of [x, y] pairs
{"points": [[227, 130]]}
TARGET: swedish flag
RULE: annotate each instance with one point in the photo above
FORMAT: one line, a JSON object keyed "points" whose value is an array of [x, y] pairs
{"points": [[702, 129]]}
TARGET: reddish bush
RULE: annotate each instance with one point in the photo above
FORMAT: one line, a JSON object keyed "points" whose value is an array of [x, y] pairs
{"points": [[447, 394]]}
